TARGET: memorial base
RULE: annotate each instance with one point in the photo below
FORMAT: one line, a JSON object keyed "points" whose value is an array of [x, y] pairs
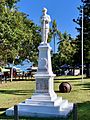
{"points": [[40, 105]]}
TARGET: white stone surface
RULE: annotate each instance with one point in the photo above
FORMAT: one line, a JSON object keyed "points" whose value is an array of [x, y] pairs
{"points": [[44, 102], [45, 20], [43, 108]]}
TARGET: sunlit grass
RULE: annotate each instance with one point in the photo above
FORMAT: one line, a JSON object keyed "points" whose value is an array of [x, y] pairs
{"points": [[12, 93]]}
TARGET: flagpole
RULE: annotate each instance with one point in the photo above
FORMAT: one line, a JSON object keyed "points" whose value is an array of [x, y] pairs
{"points": [[82, 44]]}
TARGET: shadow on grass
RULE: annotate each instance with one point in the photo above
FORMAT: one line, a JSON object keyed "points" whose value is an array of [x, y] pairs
{"points": [[25, 79], [84, 110], [68, 78], [16, 92], [59, 80], [3, 109], [4, 117], [57, 91], [85, 86]]}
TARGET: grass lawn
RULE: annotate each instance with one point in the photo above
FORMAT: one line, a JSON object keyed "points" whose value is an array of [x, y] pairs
{"points": [[14, 92]]}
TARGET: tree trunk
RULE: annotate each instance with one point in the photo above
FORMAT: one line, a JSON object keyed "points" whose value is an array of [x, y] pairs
{"points": [[54, 43], [88, 70]]}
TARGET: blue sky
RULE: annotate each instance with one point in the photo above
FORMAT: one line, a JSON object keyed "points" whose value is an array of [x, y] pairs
{"points": [[63, 11]]}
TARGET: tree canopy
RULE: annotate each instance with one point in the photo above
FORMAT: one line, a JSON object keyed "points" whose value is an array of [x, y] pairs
{"points": [[85, 8], [66, 48], [18, 34], [86, 31]]}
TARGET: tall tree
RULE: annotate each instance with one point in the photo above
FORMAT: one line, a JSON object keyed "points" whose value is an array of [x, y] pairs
{"points": [[54, 33], [11, 3], [86, 33], [18, 34], [66, 51]]}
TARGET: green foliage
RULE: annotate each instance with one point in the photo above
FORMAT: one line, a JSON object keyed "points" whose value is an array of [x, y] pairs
{"points": [[86, 34], [56, 63], [86, 30], [11, 3], [18, 35], [66, 48]]}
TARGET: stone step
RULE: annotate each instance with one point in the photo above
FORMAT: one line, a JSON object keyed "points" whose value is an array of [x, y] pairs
{"points": [[63, 105], [44, 102], [58, 101], [41, 97], [42, 110], [68, 107], [53, 112], [37, 112], [44, 96], [39, 102]]}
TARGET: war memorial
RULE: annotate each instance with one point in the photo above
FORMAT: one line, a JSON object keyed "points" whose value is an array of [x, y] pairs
{"points": [[44, 101]]}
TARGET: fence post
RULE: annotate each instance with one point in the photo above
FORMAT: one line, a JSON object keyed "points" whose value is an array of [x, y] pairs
{"points": [[75, 116], [16, 117]]}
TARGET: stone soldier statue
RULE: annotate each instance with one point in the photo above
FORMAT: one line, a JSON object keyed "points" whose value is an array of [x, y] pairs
{"points": [[45, 20]]}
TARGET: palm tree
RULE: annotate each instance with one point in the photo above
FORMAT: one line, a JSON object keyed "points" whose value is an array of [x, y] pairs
{"points": [[66, 48], [54, 32]]}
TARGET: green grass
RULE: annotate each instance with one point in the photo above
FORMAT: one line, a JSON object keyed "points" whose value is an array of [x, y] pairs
{"points": [[12, 93]]}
